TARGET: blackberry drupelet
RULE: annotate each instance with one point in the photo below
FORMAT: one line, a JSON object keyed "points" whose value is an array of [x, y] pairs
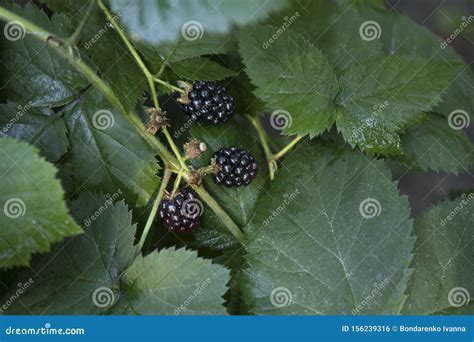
{"points": [[209, 103], [237, 167], [181, 213]]}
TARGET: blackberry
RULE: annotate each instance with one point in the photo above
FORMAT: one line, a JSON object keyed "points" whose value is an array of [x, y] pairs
{"points": [[237, 167], [209, 103], [181, 213]]}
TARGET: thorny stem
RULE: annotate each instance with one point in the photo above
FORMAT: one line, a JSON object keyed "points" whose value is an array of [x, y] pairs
{"points": [[169, 160], [271, 158], [72, 40], [148, 75], [154, 209]]}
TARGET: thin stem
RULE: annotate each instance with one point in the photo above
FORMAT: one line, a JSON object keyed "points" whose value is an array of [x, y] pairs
{"points": [[217, 209], [166, 84], [287, 148], [263, 138], [96, 81], [72, 40], [154, 209], [148, 75], [176, 184]]}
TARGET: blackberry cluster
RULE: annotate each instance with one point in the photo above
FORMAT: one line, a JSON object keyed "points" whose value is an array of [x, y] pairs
{"points": [[182, 212], [210, 103], [237, 167]]}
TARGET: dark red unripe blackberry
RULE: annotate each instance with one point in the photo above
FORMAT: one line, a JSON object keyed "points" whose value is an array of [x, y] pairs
{"points": [[209, 103], [237, 167], [181, 213]]}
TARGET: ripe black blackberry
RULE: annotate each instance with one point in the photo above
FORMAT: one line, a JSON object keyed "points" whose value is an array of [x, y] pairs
{"points": [[209, 103], [181, 213], [237, 167]]}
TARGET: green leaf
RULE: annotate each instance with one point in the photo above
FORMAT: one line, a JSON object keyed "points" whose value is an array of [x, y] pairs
{"points": [[157, 21], [239, 203], [383, 97], [436, 146], [443, 278], [173, 282], [33, 214], [200, 69], [39, 126], [291, 75], [107, 153], [403, 36], [34, 71], [104, 49], [64, 282], [331, 236]]}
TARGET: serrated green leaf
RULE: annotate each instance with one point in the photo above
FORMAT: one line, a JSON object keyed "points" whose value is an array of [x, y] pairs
{"points": [[401, 35], [331, 236], [64, 282], [173, 282], [39, 126], [200, 69], [443, 279], [107, 153], [34, 71], [104, 49], [157, 21], [383, 97], [33, 213], [436, 146], [291, 75]]}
